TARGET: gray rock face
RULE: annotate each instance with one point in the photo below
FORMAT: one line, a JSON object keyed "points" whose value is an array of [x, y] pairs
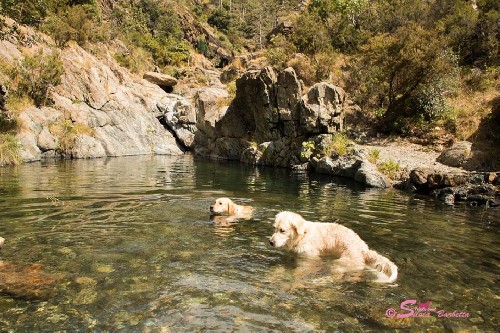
{"points": [[101, 110], [322, 108], [179, 115], [210, 108], [269, 118]]}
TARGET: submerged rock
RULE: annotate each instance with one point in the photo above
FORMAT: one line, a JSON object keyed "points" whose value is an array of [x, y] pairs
{"points": [[26, 281]]}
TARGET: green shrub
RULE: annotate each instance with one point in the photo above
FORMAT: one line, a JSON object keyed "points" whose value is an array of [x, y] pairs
{"points": [[30, 12], [14, 106], [325, 64], [166, 52], [339, 145], [80, 23], [304, 69], [202, 47], [343, 22], [67, 132], [407, 73], [34, 75], [9, 150], [231, 89], [373, 156], [137, 61], [310, 35], [307, 150], [220, 19], [279, 52], [389, 168]]}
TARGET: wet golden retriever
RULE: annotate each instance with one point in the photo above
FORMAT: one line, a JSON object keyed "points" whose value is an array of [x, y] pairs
{"points": [[226, 207], [314, 239]]}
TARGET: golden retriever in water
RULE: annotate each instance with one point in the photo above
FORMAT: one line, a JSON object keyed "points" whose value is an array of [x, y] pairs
{"points": [[314, 239], [226, 207]]}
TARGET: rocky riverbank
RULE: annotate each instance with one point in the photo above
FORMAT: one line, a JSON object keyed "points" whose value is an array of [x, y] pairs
{"points": [[421, 170], [100, 109]]}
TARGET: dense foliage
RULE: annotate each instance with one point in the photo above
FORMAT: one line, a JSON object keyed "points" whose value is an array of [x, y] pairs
{"points": [[401, 59], [34, 75], [406, 55]]}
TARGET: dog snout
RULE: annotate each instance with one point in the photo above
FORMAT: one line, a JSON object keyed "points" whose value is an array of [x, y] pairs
{"points": [[271, 241], [211, 208]]}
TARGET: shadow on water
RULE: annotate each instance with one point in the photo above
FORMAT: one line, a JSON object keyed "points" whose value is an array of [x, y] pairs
{"points": [[133, 243]]}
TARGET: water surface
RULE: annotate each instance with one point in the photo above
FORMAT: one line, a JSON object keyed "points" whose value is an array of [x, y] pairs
{"points": [[135, 251]]}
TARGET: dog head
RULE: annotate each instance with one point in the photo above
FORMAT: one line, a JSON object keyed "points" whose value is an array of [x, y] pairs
{"points": [[288, 227], [223, 206], [2, 240]]}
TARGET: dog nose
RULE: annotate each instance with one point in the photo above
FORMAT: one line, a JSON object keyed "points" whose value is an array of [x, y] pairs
{"points": [[212, 207], [271, 242]]}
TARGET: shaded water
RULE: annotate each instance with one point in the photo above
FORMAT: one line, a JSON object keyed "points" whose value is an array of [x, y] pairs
{"points": [[132, 243]]}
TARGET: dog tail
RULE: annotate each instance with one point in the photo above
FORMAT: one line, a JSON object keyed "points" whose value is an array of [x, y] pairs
{"points": [[382, 264]]}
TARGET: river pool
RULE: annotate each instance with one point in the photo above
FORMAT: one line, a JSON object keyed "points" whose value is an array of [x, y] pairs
{"points": [[134, 250]]}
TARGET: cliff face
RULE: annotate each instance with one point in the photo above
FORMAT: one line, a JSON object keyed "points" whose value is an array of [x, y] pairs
{"points": [[270, 120], [98, 110]]}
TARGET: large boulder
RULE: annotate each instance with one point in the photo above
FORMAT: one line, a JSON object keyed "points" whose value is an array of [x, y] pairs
{"points": [[254, 107], [353, 165], [344, 166], [456, 155], [210, 106], [368, 174], [163, 80]]}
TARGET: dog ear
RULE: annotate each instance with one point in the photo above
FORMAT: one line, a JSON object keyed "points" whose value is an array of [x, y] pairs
{"points": [[299, 225], [231, 208]]}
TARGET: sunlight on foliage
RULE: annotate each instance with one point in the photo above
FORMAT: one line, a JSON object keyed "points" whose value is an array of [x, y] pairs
{"points": [[389, 168], [35, 75], [9, 150]]}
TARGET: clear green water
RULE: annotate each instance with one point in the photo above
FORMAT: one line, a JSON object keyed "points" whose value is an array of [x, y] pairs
{"points": [[132, 240]]}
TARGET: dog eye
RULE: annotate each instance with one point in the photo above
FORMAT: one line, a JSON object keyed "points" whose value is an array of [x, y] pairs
{"points": [[282, 230]]}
